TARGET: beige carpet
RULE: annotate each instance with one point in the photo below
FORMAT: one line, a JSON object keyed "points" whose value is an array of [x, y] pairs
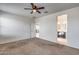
{"points": [[36, 46]]}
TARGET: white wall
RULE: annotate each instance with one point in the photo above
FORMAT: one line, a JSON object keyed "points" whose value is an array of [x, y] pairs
{"points": [[48, 26], [14, 27]]}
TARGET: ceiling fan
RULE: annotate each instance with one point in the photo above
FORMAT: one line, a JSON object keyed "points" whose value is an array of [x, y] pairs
{"points": [[34, 8]]}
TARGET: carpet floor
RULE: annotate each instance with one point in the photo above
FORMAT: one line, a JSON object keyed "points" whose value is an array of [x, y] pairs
{"points": [[36, 46]]}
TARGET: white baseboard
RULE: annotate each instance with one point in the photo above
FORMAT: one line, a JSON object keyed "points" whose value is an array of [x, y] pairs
{"points": [[12, 40]]}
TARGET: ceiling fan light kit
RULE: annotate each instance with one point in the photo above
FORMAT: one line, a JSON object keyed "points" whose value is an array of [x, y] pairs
{"points": [[34, 10]]}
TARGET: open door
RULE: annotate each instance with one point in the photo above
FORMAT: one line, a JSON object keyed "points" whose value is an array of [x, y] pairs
{"points": [[62, 29]]}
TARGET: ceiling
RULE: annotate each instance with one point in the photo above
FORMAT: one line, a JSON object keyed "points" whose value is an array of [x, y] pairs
{"points": [[18, 8]]}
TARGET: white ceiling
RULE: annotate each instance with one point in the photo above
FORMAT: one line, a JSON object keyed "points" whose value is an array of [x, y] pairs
{"points": [[18, 8]]}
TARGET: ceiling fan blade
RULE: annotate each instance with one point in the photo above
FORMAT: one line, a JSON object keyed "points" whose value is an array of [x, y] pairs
{"points": [[38, 11], [32, 5], [27, 9], [41, 8]]}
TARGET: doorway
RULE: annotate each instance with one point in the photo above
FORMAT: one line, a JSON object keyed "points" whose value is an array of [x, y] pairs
{"points": [[62, 29], [37, 30]]}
